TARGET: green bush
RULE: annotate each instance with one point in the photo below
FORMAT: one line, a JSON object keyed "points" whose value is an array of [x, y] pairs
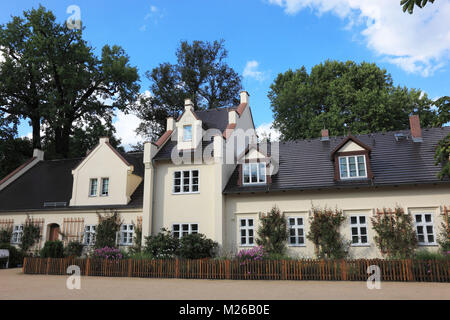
{"points": [[161, 245], [74, 249], [5, 235], [325, 234], [15, 256], [429, 255], [273, 233], [141, 256], [444, 236], [197, 246], [107, 229], [52, 249]]}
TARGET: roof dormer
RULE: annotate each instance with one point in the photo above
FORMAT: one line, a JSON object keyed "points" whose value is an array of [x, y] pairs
{"points": [[351, 160], [189, 128], [255, 166]]}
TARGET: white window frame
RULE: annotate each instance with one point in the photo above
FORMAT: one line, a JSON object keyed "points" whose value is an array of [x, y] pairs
{"points": [[191, 182], [102, 193], [90, 232], [16, 236], [180, 231], [348, 167], [126, 232], [247, 228], [297, 227], [187, 139], [424, 226], [247, 167], [358, 225], [91, 189]]}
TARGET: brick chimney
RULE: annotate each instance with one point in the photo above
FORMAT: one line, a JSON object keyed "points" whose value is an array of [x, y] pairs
{"points": [[416, 131], [244, 97], [325, 136]]}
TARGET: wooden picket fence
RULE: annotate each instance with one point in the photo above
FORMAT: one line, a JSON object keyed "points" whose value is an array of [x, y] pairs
{"points": [[331, 270]]}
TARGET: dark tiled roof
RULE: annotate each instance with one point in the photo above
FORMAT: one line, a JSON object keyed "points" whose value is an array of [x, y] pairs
{"points": [[306, 164], [214, 118], [51, 181], [166, 151]]}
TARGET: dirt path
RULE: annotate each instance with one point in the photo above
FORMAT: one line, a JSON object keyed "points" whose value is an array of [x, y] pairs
{"points": [[15, 285]]}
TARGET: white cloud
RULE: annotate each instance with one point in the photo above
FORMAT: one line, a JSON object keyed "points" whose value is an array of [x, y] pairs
{"points": [[417, 43], [126, 125], [143, 28], [251, 71], [266, 129]]}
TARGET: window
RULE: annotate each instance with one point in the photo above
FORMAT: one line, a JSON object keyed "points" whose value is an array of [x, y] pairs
{"points": [[126, 234], [16, 236], [246, 230], [183, 229], [352, 167], [358, 226], [105, 187], [187, 133], [424, 228], [89, 235], [296, 231], [254, 172], [185, 181], [93, 188]]}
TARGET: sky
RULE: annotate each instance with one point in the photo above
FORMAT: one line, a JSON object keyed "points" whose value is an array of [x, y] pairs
{"points": [[265, 38]]}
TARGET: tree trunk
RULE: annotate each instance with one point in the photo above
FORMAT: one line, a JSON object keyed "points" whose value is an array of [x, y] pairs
{"points": [[62, 139]]}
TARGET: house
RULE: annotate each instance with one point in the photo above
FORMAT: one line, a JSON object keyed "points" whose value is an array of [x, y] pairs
{"points": [[208, 174]]}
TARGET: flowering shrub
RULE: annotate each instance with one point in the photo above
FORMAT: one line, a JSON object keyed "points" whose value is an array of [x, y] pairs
{"points": [[108, 253], [255, 253]]}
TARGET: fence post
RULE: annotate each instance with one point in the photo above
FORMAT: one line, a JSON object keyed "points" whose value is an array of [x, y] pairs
{"points": [[129, 267], [227, 269], [24, 264], [48, 266], [177, 268], [344, 274], [87, 266]]}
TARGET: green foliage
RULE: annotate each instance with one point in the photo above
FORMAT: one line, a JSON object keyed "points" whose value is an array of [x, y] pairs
{"points": [[444, 236], [272, 232], [31, 234], [140, 255], [197, 246], [395, 234], [5, 235], [52, 76], [410, 4], [343, 96], [107, 228], [200, 74], [13, 152], [52, 249], [74, 249], [429, 255], [161, 245], [15, 256], [443, 106], [442, 155], [325, 233]]}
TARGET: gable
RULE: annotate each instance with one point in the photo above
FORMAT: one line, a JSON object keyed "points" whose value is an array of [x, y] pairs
{"points": [[351, 146]]}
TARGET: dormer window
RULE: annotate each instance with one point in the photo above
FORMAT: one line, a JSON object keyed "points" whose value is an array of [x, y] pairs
{"points": [[187, 133], [254, 173], [93, 187], [353, 167]]}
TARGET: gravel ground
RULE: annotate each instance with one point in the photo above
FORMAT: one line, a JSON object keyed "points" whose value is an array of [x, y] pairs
{"points": [[15, 285]]}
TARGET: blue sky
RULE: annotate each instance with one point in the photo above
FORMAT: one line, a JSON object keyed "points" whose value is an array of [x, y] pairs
{"points": [[266, 37]]}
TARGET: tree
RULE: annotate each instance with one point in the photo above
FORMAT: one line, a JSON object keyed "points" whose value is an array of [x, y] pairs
{"points": [[30, 234], [441, 156], [51, 75], [343, 97], [395, 237], [443, 106], [410, 4], [325, 233], [272, 233], [105, 235], [200, 74]]}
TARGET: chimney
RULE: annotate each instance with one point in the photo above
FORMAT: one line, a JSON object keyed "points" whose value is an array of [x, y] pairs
{"points": [[39, 154], [325, 136], [188, 105], [104, 140], [244, 97], [416, 131], [170, 123]]}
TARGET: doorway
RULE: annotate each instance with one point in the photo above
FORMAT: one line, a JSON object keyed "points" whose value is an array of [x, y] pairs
{"points": [[53, 233]]}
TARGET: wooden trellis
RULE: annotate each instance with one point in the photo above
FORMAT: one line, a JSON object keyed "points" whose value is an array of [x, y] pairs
{"points": [[72, 229], [6, 224], [40, 223]]}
